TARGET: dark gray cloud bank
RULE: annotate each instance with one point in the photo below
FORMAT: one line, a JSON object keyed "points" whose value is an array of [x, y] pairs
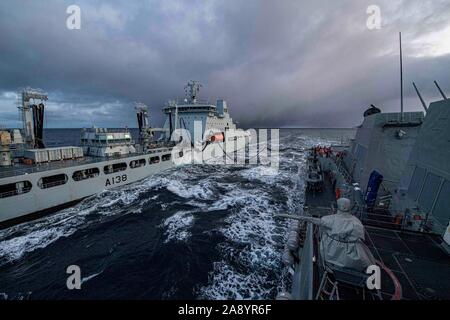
{"points": [[278, 63]]}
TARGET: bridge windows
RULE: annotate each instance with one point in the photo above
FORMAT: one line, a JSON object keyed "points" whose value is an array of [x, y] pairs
{"points": [[137, 163], [52, 181], [85, 174], [166, 157], [14, 189], [116, 167]]}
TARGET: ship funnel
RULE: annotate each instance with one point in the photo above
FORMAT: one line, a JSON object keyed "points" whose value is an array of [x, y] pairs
{"points": [[420, 97], [440, 90]]}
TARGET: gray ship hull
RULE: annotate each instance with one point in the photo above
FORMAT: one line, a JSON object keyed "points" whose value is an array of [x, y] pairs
{"points": [[40, 200]]}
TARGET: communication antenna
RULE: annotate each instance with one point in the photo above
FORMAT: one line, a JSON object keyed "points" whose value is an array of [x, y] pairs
{"points": [[420, 97], [440, 90]]}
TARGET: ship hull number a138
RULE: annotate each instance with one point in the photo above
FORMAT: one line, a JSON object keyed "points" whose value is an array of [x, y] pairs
{"points": [[116, 180]]}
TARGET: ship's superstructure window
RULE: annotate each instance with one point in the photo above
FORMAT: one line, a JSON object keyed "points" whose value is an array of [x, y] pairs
{"points": [[13, 189], [85, 174], [154, 160], [137, 163], [112, 168], [52, 181], [166, 157]]}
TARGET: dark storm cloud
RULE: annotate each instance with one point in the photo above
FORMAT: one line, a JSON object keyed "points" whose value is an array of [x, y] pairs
{"points": [[278, 63]]}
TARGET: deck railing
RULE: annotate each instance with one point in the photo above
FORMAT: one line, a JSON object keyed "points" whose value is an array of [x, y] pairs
{"points": [[302, 285], [7, 194]]}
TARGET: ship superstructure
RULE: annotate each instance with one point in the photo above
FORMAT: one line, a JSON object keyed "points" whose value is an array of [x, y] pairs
{"points": [[210, 119], [387, 193], [35, 180]]}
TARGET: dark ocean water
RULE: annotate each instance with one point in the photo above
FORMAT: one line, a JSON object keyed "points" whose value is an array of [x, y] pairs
{"points": [[192, 232]]}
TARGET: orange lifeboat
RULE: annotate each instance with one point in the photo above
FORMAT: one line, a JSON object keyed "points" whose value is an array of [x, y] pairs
{"points": [[218, 137]]}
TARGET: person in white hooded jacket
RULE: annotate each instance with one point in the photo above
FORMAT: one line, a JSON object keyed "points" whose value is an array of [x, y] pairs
{"points": [[342, 238]]}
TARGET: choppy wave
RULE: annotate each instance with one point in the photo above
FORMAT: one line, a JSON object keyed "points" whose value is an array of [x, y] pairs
{"points": [[177, 226]]}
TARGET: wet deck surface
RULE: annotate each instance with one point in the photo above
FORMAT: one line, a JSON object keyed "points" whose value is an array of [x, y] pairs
{"points": [[418, 261]]}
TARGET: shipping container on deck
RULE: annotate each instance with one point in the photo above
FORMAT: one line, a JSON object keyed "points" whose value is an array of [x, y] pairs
{"points": [[37, 155], [67, 153], [54, 154]]}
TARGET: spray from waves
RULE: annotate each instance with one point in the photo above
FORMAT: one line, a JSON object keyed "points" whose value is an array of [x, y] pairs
{"points": [[185, 191], [252, 252], [92, 276], [177, 226]]}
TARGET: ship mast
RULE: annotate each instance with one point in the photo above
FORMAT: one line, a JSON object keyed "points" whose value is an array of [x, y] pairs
{"points": [[191, 90], [401, 78]]}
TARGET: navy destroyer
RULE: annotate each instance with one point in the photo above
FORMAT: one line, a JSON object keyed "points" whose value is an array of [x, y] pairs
{"points": [[376, 217], [35, 180]]}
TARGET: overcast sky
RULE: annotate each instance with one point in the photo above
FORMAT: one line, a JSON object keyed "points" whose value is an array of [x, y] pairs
{"points": [[278, 63]]}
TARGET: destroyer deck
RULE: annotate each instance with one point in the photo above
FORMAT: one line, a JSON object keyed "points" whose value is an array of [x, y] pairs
{"points": [[417, 260]]}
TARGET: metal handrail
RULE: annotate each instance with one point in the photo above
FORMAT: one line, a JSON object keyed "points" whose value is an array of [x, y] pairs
{"points": [[52, 184], [302, 287]]}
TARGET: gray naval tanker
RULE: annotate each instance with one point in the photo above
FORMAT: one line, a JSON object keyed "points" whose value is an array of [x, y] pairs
{"points": [[35, 180]]}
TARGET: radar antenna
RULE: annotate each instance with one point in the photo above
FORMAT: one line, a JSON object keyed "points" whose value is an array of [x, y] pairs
{"points": [[191, 90]]}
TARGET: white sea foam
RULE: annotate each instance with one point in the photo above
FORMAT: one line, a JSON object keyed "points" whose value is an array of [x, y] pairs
{"points": [[200, 191], [92, 276], [177, 226], [264, 174], [248, 272], [227, 283]]}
